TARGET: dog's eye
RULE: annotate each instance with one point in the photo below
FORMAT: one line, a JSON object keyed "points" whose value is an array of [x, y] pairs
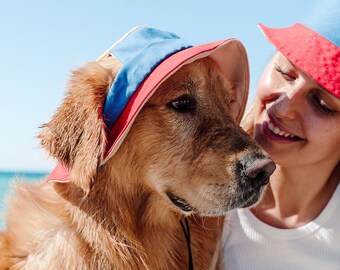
{"points": [[182, 104]]}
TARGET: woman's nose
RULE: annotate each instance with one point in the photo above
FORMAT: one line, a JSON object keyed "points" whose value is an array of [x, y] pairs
{"points": [[288, 104]]}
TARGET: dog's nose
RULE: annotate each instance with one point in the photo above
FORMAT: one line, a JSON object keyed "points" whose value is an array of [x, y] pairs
{"points": [[257, 170]]}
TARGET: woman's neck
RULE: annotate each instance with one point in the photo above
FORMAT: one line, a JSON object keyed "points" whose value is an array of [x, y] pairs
{"points": [[296, 196]]}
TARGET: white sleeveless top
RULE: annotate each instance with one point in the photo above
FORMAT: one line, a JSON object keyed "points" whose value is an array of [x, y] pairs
{"points": [[251, 244]]}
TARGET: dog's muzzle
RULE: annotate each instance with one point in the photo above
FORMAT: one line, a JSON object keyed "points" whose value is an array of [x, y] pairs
{"points": [[255, 170]]}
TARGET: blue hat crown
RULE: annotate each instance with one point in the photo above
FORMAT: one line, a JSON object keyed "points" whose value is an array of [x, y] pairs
{"points": [[325, 20], [139, 51]]}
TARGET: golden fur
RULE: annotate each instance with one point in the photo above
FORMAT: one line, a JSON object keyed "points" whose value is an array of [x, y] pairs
{"points": [[119, 215]]}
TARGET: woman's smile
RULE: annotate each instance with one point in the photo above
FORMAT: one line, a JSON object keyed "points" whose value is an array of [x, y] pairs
{"points": [[276, 132]]}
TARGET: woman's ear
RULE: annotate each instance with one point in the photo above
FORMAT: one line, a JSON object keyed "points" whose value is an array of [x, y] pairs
{"points": [[76, 135]]}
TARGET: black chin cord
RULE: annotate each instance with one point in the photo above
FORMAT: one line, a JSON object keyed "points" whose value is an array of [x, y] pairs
{"points": [[186, 230]]}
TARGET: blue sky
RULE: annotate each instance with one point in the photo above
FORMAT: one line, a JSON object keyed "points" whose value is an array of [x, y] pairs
{"points": [[42, 41]]}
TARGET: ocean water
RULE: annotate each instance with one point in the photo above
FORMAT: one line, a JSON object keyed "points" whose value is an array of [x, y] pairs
{"points": [[6, 178]]}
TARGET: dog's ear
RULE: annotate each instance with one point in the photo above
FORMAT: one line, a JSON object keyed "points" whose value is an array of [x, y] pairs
{"points": [[76, 135]]}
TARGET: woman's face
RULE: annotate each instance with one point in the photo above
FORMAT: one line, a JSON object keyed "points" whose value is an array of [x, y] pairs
{"points": [[296, 121]]}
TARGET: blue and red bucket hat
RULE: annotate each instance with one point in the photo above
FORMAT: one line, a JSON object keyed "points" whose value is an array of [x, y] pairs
{"points": [[313, 45], [148, 56]]}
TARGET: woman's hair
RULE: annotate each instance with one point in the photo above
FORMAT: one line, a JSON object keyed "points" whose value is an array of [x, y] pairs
{"points": [[247, 122]]}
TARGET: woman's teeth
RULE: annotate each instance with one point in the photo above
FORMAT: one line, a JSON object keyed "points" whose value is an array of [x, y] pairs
{"points": [[277, 131]]}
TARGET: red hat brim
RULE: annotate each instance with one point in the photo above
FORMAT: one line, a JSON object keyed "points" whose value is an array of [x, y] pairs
{"points": [[310, 52]]}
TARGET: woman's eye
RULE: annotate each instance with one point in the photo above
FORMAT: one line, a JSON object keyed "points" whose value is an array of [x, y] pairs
{"points": [[321, 105], [288, 76], [183, 104]]}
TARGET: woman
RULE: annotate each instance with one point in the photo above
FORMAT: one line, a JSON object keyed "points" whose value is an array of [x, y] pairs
{"points": [[296, 118]]}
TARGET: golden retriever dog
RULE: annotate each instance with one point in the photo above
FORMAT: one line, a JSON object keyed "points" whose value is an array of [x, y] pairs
{"points": [[159, 201]]}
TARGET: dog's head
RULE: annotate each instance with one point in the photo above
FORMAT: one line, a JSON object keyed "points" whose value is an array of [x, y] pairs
{"points": [[193, 150], [185, 143]]}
